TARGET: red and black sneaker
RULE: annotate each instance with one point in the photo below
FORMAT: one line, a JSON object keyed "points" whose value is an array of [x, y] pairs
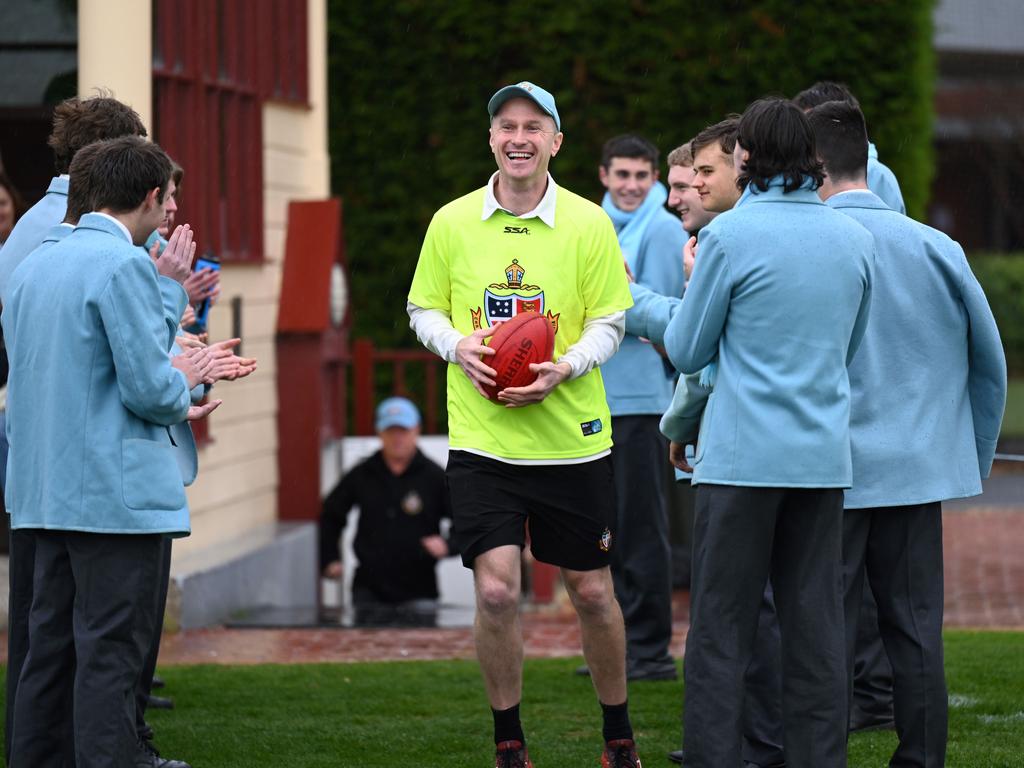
{"points": [[512, 754], [620, 753]]}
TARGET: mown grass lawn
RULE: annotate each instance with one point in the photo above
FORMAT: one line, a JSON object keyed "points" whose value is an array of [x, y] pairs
{"points": [[434, 714]]}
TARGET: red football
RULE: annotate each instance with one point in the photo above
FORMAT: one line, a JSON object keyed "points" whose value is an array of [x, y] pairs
{"points": [[526, 338]]}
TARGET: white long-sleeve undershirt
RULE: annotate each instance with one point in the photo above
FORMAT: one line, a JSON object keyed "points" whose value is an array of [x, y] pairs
{"points": [[599, 341]]}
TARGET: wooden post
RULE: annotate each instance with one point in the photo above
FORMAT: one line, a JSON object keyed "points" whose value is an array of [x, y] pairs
{"points": [[362, 374]]}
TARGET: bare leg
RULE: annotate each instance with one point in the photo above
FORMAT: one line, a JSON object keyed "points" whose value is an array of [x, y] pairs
{"points": [[604, 638], [499, 637]]}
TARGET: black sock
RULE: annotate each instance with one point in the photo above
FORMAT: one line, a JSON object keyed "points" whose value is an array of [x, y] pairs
{"points": [[616, 721], [507, 726]]}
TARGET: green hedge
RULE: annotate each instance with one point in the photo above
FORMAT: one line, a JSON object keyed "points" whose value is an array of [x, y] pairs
{"points": [[1002, 277], [409, 82]]}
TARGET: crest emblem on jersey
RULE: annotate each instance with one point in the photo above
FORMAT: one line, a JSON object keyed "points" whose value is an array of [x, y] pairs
{"points": [[412, 504], [503, 301], [606, 540]]}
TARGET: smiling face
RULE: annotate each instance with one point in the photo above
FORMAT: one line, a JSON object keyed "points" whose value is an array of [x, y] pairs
{"points": [[628, 180], [683, 198], [523, 140], [715, 178]]}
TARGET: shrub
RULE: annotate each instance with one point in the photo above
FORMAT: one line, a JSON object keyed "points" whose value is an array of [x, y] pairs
{"points": [[410, 80], [1002, 277]]}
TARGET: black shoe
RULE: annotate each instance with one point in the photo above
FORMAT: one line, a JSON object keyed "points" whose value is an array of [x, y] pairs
{"points": [[148, 757], [158, 682], [648, 671], [676, 756], [160, 702], [640, 673], [862, 722]]}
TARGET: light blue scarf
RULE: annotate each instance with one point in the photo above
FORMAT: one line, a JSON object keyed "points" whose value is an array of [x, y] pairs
{"points": [[631, 226]]}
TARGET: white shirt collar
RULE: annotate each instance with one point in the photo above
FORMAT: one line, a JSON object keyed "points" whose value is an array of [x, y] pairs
{"points": [[545, 210], [124, 229], [849, 191]]}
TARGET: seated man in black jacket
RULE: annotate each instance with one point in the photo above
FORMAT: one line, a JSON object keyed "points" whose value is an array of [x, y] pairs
{"points": [[401, 497]]}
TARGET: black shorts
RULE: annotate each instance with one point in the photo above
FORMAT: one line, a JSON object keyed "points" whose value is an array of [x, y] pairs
{"points": [[570, 509]]}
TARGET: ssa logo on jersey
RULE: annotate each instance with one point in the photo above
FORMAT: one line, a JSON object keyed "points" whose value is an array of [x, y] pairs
{"points": [[517, 230]]}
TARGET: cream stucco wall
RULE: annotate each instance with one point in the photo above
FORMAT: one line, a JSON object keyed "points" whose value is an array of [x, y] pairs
{"points": [[234, 499], [110, 57]]}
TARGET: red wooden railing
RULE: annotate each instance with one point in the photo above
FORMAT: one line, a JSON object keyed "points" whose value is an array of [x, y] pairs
{"points": [[365, 358]]}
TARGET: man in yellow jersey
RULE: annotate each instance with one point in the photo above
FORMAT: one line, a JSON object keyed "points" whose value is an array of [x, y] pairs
{"points": [[540, 456]]}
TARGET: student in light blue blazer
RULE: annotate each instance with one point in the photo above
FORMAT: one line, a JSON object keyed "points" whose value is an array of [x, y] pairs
{"points": [[76, 203], [638, 384], [93, 477], [778, 301], [76, 123], [872, 700], [183, 441], [881, 180], [929, 388]]}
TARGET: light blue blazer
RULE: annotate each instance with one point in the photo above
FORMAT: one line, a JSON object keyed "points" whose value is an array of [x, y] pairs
{"points": [[929, 379], [32, 229], [638, 380], [882, 181], [181, 434], [92, 390], [182, 439], [651, 313], [780, 296]]}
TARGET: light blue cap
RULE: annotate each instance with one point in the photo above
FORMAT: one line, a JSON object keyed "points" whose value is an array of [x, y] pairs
{"points": [[397, 412], [525, 90]]}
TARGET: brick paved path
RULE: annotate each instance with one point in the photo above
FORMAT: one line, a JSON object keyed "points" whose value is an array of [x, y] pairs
{"points": [[984, 550]]}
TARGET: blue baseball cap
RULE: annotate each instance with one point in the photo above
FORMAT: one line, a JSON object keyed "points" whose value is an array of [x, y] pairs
{"points": [[525, 90], [397, 412]]}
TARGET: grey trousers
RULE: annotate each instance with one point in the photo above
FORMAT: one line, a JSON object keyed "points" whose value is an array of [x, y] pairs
{"points": [[762, 705], [148, 634], [742, 537], [872, 673], [899, 550], [76, 690], [641, 561], [21, 569]]}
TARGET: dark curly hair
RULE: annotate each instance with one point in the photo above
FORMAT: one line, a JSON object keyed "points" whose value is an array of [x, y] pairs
{"points": [[80, 122], [123, 171], [80, 197], [822, 92], [781, 143]]}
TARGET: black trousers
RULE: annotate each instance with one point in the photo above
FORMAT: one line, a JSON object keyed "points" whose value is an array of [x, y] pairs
{"points": [[641, 562], [762, 705], [742, 538], [899, 551], [76, 693], [148, 634], [872, 673], [22, 566]]}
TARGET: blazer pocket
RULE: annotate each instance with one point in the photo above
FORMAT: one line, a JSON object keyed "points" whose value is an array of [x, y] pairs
{"points": [[705, 428], [150, 478]]}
